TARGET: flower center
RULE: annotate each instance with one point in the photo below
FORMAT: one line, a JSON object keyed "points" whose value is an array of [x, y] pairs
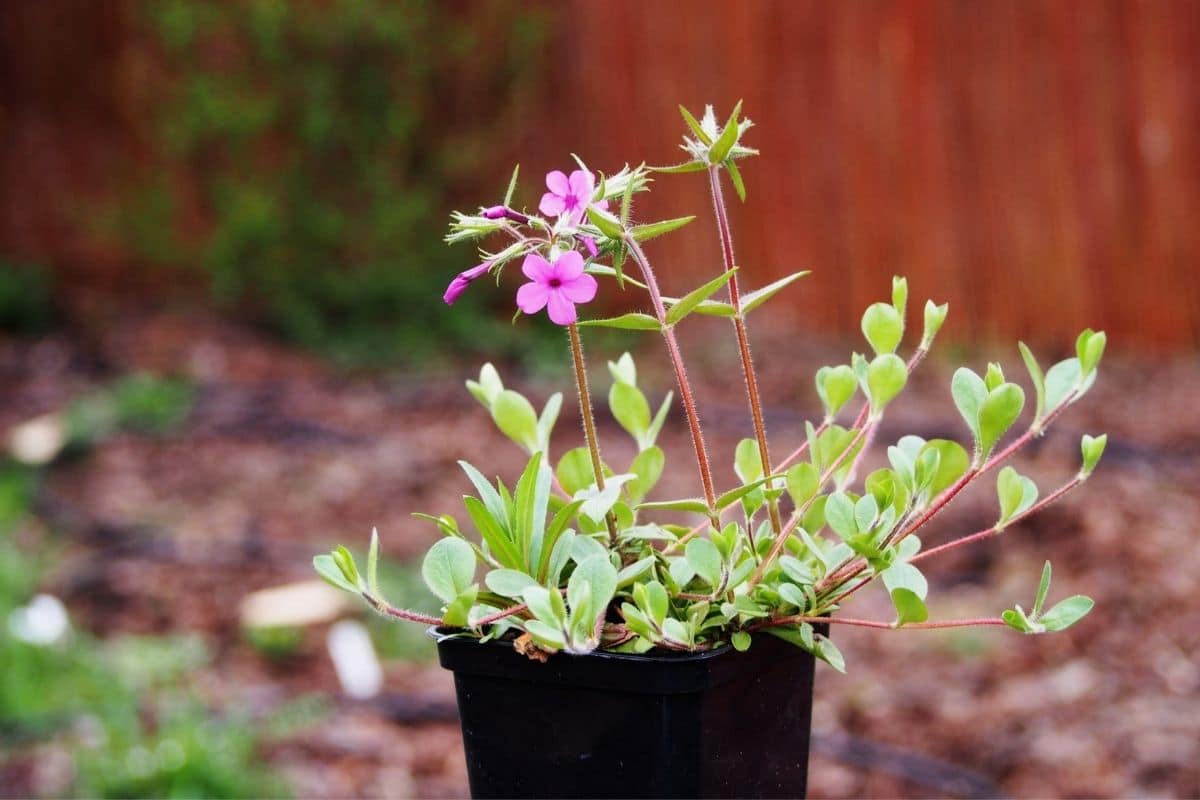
{"points": [[555, 283], [571, 202]]}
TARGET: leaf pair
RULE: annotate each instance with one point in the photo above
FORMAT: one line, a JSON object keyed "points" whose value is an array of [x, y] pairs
{"points": [[1062, 616]]}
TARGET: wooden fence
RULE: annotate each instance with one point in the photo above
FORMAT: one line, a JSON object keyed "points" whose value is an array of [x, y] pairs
{"points": [[1035, 163]]}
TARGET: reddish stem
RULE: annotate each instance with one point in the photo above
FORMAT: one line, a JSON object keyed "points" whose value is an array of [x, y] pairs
{"points": [[871, 623]]}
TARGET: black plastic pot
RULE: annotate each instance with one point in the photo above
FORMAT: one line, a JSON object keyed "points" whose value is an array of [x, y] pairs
{"points": [[716, 724]]}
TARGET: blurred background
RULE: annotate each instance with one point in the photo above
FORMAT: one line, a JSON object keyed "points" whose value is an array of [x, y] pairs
{"points": [[223, 349]]}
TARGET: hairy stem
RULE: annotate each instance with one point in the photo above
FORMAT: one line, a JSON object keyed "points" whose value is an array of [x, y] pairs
{"points": [[681, 378], [871, 623], [389, 610], [589, 422], [743, 338]]}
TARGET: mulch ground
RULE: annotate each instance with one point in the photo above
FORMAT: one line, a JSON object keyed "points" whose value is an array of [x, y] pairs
{"points": [[283, 456]]}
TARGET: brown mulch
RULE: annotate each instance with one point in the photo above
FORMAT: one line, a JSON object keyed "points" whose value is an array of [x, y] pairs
{"points": [[284, 456]]}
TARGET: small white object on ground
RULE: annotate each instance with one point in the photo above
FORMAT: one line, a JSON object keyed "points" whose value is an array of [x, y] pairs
{"points": [[43, 622], [39, 440], [309, 602], [354, 660]]}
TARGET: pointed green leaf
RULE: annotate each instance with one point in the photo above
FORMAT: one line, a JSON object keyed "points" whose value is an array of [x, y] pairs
{"points": [[935, 315], [508, 582], [909, 607], [630, 409], [512, 186], [608, 225], [678, 169], [753, 300], [886, 377], [969, 393], [695, 126], [648, 466], [1043, 590], [1061, 380], [689, 301], [703, 557], [835, 387], [728, 138], [649, 231], [516, 419], [1092, 448], [633, 321], [735, 177], [694, 505], [373, 564], [1036, 376], [803, 482]]}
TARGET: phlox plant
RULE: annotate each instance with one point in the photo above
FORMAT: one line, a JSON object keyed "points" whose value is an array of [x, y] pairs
{"points": [[578, 555]]}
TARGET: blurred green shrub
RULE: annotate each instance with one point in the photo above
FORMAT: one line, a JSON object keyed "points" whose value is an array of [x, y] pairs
{"points": [[25, 302], [306, 155]]}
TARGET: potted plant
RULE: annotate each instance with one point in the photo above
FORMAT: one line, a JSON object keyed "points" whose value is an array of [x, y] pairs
{"points": [[608, 644]]}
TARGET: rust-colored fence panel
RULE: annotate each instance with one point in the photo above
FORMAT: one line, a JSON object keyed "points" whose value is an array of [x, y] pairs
{"points": [[1037, 164]]}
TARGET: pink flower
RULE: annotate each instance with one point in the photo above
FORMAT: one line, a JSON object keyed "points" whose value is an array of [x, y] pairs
{"points": [[569, 196], [558, 286], [462, 280]]}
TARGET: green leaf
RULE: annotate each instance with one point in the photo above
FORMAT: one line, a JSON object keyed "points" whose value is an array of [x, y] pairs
{"points": [[1043, 590], [624, 369], [994, 376], [549, 416], [902, 575], [657, 602], [835, 387], [999, 411], [689, 301], [558, 526], [1090, 347], [935, 315], [373, 564], [886, 377], [753, 300], [648, 466], [492, 500], [900, 297], [609, 225], [1066, 613], [909, 607], [597, 503], [952, 464], [546, 605], [735, 177], [1016, 493], [733, 495], [516, 419], [332, 574], [531, 502], [545, 635], [1016, 619], [694, 505], [1092, 448], [598, 578], [1061, 380], [660, 417], [797, 570], [652, 230], [839, 513], [448, 568], [345, 562], [508, 582], [575, 471], [970, 393], [1036, 376], [803, 482], [630, 409], [740, 641], [704, 558], [494, 536], [512, 186], [883, 326], [800, 635], [747, 461], [695, 126], [634, 571], [728, 138], [678, 169], [458, 611], [865, 512], [828, 652], [633, 321]]}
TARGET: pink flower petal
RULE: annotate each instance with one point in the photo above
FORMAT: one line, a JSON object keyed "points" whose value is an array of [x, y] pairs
{"points": [[582, 185], [601, 204], [557, 182], [455, 289], [562, 310], [568, 266], [532, 297], [580, 290], [552, 204], [537, 269]]}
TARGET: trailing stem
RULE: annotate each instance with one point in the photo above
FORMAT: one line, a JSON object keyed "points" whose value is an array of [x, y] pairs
{"points": [[589, 422], [388, 610], [871, 623], [685, 388], [743, 338]]}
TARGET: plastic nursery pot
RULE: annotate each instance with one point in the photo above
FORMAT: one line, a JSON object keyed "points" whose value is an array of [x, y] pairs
{"points": [[715, 724]]}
